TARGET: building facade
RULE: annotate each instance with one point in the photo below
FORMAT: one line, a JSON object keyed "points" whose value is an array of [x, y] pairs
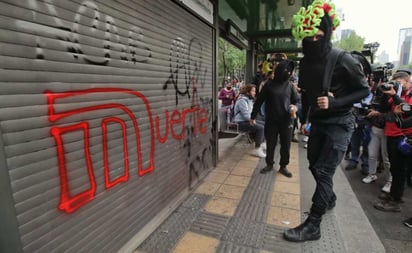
{"points": [[405, 46]]}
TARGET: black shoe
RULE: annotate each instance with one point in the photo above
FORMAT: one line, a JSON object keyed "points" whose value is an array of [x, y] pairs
{"points": [[307, 231], [388, 206], [267, 169], [387, 197], [284, 171], [332, 205]]}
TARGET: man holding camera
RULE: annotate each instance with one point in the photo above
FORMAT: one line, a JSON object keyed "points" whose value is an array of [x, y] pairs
{"points": [[396, 132]]}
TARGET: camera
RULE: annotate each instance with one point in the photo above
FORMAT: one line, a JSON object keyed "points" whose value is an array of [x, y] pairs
{"points": [[406, 107], [363, 111], [382, 73], [387, 86], [379, 101]]}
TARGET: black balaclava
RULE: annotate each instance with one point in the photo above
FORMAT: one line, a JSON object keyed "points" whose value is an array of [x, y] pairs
{"points": [[283, 71], [314, 50]]}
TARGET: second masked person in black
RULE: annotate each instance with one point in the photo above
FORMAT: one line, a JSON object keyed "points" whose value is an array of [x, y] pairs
{"points": [[280, 98]]}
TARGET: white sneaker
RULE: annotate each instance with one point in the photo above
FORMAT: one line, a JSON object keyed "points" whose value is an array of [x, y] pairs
{"points": [[306, 145], [387, 187], [305, 138], [369, 179], [263, 145], [259, 152]]}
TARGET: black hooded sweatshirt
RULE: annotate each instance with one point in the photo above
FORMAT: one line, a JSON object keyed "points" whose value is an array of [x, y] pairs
{"points": [[278, 94], [348, 84]]}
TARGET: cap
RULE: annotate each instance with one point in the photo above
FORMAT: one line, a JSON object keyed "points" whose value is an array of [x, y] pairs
{"points": [[408, 71]]}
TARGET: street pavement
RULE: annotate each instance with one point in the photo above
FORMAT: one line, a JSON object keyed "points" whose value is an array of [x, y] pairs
{"points": [[396, 237], [237, 209]]}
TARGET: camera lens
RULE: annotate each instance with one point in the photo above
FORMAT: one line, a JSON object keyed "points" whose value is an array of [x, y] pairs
{"points": [[386, 86], [406, 107]]}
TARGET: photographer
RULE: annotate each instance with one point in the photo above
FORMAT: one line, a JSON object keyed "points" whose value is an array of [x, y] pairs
{"points": [[395, 132], [378, 142]]}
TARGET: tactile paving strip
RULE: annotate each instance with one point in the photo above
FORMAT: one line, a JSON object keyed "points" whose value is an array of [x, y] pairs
{"points": [[255, 201], [247, 227], [227, 247], [210, 224], [165, 237], [244, 232], [273, 241], [331, 240]]}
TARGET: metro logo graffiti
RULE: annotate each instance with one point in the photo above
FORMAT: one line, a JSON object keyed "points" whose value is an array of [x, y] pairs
{"points": [[125, 176], [71, 202]]}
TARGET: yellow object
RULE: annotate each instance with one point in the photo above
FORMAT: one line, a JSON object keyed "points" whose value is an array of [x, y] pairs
{"points": [[267, 67]]}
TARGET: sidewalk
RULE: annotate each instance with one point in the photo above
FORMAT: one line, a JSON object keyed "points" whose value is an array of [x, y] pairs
{"points": [[237, 209]]}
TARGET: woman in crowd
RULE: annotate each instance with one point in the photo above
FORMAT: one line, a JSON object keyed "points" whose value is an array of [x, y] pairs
{"points": [[243, 110]]}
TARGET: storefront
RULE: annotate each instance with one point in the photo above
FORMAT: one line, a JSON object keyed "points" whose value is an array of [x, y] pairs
{"points": [[106, 119]]}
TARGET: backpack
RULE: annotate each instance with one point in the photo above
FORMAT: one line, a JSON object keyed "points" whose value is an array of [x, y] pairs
{"points": [[336, 55]]}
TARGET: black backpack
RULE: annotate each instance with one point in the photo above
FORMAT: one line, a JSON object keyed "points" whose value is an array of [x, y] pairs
{"points": [[335, 56]]}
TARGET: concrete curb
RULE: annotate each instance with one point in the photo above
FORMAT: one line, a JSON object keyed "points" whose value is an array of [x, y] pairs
{"points": [[357, 232]]}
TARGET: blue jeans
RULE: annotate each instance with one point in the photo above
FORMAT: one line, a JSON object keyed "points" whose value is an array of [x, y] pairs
{"points": [[327, 144], [360, 138], [257, 129]]}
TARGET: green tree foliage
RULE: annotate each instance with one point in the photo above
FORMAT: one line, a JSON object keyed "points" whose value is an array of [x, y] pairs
{"points": [[231, 61], [408, 66], [351, 42]]}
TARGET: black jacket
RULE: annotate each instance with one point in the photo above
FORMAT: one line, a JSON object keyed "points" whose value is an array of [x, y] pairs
{"points": [[277, 97], [348, 86]]}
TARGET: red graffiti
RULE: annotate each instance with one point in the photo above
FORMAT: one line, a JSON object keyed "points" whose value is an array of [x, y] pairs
{"points": [[70, 203], [176, 121], [109, 183]]}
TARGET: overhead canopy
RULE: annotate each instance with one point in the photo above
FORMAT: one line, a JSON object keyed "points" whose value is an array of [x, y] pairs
{"points": [[263, 25]]}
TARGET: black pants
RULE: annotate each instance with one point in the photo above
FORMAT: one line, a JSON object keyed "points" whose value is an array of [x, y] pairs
{"points": [[283, 129], [400, 163], [326, 147]]}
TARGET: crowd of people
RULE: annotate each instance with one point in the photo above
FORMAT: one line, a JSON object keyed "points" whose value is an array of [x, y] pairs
{"points": [[352, 112], [272, 87]]}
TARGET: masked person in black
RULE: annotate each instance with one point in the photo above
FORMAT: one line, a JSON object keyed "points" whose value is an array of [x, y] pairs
{"points": [[327, 102], [280, 99]]}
